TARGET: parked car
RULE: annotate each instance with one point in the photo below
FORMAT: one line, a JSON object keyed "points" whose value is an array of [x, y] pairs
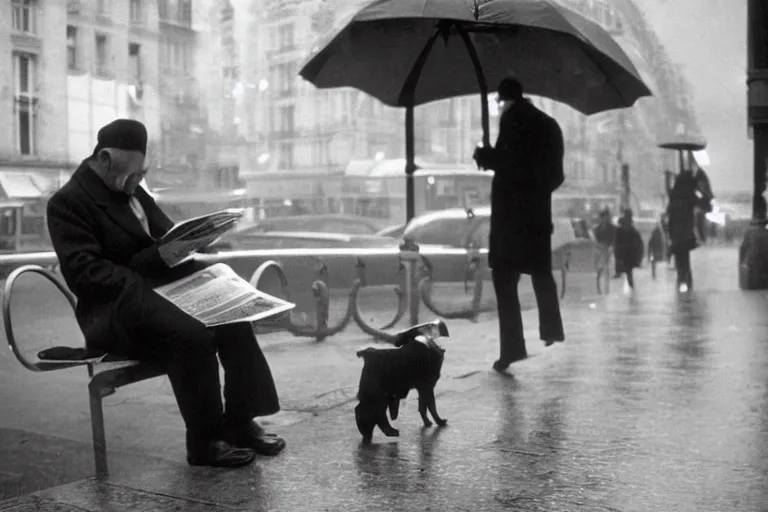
{"points": [[459, 227], [395, 231], [325, 223], [295, 240]]}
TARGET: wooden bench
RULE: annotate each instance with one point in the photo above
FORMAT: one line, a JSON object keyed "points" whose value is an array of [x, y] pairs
{"points": [[105, 376]]}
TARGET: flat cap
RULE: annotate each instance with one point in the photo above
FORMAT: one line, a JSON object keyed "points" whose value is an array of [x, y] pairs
{"points": [[125, 134]]}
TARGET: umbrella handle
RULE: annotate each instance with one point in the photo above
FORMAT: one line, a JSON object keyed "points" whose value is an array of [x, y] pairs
{"points": [[480, 80]]}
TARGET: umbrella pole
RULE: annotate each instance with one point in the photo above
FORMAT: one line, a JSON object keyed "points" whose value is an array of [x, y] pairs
{"points": [[410, 163], [407, 98], [481, 81]]}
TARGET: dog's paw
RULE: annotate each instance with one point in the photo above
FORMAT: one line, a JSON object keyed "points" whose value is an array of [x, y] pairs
{"points": [[392, 433], [442, 422]]}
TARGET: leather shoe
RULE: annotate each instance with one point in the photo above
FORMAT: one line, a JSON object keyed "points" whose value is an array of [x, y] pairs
{"points": [[501, 366], [220, 454], [254, 437], [549, 340]]}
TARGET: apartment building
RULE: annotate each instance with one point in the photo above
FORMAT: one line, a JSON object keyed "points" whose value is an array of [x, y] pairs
{"points": [[34, 154]]}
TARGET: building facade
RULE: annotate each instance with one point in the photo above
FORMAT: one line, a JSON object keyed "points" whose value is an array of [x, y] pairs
{"points": [[312, 133], [34, 156], [68, 67]]}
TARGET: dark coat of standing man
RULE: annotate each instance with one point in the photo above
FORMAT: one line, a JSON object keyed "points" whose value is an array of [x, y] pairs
{"points": [[528, 165], [104, 228]]}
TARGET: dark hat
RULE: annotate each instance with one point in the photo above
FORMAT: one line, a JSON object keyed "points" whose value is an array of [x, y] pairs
{"points": [[510, 89], [125, 134]]}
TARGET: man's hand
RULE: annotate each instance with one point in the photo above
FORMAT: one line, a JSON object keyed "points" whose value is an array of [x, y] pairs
{"points": [[484, 157], [174, 252]]}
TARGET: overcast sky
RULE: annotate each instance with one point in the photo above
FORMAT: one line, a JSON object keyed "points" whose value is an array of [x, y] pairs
{"points": [[708, 37]]}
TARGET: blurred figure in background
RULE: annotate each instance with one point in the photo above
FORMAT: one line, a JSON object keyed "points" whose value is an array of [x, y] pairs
{"points": [[658, 244], [605, 232], [690, 192], [629, 249]]}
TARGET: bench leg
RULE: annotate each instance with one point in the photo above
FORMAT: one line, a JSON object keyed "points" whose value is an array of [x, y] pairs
{"points": [[99, 437]]}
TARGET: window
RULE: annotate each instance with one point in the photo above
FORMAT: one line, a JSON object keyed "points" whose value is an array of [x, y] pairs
{"points": [[24, 15], [71, 47], [162, 9], [134, 61], [103, 6], [286, 156], [184, 13], [136, 14], [285, 37], [102, 55], [25, 99], [287, 119]]}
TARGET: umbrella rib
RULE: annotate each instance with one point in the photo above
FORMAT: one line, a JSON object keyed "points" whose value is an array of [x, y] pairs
{"points": [[409, 86]]}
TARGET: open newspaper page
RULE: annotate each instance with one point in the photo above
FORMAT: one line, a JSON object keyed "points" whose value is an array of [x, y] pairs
{"points": [[217, 295], [194, 234], [203, 226]]}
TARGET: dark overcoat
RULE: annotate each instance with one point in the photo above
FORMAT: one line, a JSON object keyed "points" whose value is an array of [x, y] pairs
{"points": [[528, 165], [690, 191], [629, 248], [111, 264]]}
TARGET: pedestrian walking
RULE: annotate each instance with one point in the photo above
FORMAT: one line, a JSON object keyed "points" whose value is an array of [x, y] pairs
{"points": [[690, 191], [629, 249], [658, 244], [528, 165], [605, 234]]}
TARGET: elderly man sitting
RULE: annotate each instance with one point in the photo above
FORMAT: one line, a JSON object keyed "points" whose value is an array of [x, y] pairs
{"points": [[104, 228]]}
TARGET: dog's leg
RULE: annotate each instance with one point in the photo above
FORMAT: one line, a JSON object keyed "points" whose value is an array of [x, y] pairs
{"points": [[383, 422], [427, 401], [394, 407], [365, 421]]}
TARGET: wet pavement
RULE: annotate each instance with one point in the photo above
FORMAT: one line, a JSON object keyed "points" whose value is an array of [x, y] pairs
{"points": [[657, 401]]}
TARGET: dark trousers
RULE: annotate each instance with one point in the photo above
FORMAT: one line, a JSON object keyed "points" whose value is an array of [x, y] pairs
{"points": [[512, 340], [630, 277], [189, 350], [683, 264]]}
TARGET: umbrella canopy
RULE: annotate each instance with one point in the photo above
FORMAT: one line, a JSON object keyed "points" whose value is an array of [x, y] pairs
{"points": [[553, 51], [410, 52]]}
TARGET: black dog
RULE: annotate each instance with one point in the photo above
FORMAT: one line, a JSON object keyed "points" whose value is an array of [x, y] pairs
{"points": [[389, 374]]}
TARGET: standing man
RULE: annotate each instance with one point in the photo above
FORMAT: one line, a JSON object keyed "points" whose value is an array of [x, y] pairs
{"points": [[528, 165], [104, 228]]}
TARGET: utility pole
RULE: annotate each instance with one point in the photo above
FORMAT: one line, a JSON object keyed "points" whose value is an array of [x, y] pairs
{"points": [[753, 264]]}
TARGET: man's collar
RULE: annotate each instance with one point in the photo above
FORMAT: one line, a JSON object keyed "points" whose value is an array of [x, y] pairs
{"points": [[96, 188]]}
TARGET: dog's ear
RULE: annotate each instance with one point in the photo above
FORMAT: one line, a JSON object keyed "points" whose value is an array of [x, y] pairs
{"points": [[442, 329]]}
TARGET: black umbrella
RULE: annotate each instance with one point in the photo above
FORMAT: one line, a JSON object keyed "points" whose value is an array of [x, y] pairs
{"points": [[390, 50]]}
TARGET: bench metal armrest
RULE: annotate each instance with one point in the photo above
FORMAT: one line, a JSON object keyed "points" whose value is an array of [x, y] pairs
{"points": [[36, 365]]}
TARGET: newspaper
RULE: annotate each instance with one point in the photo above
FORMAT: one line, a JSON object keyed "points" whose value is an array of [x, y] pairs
{"points": [[197, 233], [217, 295]]}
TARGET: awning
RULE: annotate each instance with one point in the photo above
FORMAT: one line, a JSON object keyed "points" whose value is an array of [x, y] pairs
{"points": [[25, 185]]}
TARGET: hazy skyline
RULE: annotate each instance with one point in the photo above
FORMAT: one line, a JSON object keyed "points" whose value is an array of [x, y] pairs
{"points": [[708, 38]]}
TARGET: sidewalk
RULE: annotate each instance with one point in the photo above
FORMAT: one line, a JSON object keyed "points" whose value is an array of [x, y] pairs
{"points": [[657, 401]]}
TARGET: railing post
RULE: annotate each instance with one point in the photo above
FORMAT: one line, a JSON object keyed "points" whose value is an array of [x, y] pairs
{"points": [[411, 261]]}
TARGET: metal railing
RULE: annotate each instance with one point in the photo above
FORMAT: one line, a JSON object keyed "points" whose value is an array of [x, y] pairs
{"points": [[416, 266], [418, 270]]}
